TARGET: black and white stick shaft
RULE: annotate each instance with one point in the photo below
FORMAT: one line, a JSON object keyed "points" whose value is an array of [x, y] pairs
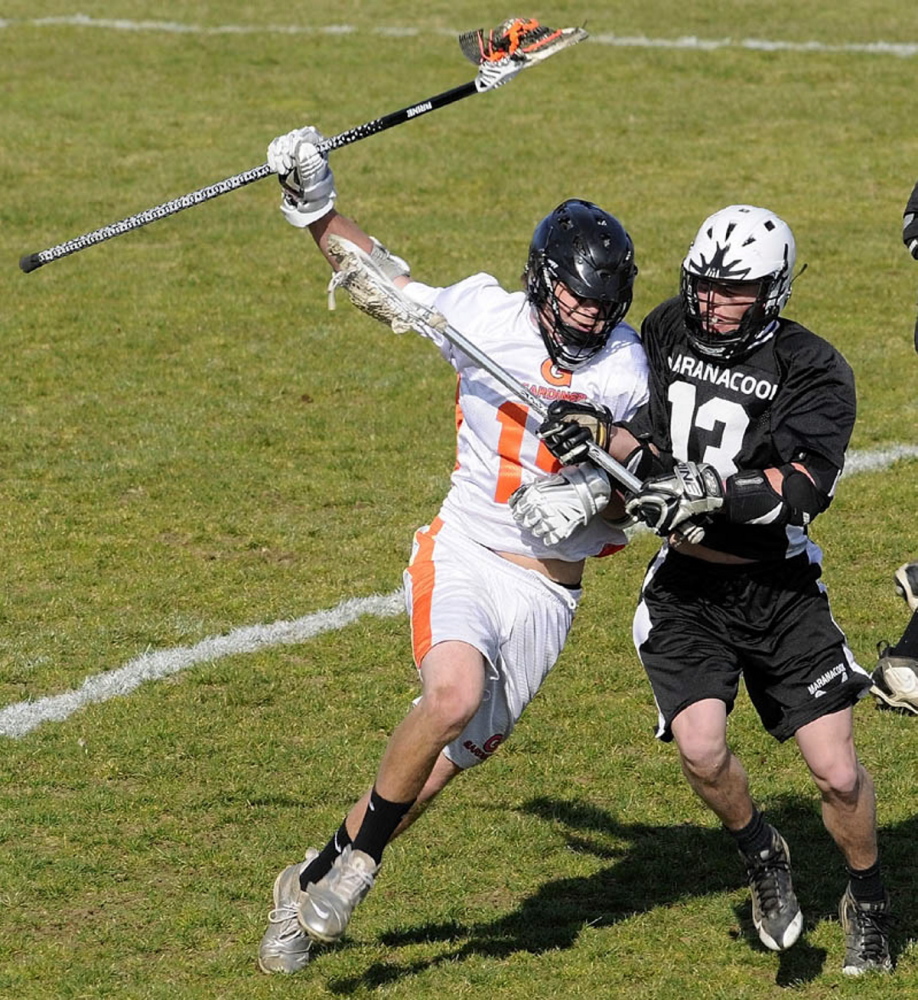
{"points": [[499, 54], [31, 262]]}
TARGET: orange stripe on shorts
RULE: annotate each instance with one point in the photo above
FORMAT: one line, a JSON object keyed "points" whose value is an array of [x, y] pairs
{"points": [[422, 571]]}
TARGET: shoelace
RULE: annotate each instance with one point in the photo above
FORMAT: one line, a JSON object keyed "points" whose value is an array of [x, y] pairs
{"points": [[767, 877], [287, 915], [356, 880], [282, 913], [872, 932]]}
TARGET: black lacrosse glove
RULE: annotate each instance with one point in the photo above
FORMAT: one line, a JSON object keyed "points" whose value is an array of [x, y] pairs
{"points": [[679, 501], [569, 427]]}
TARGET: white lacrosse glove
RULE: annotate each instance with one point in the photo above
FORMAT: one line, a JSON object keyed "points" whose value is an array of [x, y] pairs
{"points": [[672, 502], [304, 174], [554, 508]]}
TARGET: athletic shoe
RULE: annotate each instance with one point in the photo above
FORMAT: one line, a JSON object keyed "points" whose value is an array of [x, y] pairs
{"points": [[284, 947], [907, 584], [328, 905], [866, 927], [895, 681], [775, 910]]}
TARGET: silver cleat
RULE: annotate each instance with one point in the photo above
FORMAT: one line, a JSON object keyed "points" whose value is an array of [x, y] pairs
{"points": [[284, 947], [327, 906]]}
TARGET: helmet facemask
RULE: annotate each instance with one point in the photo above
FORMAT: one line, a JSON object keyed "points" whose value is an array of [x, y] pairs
{"points": [[574, 329], [754, 327]]}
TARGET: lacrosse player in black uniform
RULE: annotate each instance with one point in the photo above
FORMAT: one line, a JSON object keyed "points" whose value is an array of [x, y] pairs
{"points": [[910, 223], [910, 234], [740, 447], [895, 679]]}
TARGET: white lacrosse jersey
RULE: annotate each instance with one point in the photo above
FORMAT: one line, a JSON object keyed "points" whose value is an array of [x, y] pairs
{"points": [[497, 448]]}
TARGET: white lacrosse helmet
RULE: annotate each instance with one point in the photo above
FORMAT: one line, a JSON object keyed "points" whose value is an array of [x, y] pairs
{"points": [[739, 244]]}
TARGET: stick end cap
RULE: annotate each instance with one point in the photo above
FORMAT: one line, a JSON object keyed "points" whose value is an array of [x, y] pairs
{"points": [[30, 262]]}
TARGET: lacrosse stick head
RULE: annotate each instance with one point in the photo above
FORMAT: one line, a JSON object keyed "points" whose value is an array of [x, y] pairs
{"points": [[502, 52], [367, 286]]}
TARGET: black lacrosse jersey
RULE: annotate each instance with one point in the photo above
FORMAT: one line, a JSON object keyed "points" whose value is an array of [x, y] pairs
{"points": [[792, 394], [910, 220], [911, 207]]}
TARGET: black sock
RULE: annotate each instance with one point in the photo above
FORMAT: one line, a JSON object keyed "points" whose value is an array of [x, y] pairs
{"points": [[755, 836], [380, 822], [866, 885], [321, 866], [908, 644]]}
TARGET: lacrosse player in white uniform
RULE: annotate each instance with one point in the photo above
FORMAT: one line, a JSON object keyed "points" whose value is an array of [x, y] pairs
{"points": [[490, 603]]}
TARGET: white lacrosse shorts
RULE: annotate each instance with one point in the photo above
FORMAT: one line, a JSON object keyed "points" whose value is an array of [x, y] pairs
{"points": [[518, 619]]}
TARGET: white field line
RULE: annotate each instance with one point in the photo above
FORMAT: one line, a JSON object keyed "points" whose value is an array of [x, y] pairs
{"points": [[902, 50], [22, 717], [877, 461]]}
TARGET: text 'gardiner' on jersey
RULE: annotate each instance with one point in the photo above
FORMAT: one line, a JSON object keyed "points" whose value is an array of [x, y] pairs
{"points": [[794, 391], [497, 446]]}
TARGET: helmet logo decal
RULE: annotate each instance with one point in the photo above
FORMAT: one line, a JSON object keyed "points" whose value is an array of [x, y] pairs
{"points": [[719, 267]]}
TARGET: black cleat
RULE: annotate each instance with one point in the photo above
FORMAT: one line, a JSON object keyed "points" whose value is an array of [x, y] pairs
{"points": [[866, 927], [775, 910], [895, 681]]}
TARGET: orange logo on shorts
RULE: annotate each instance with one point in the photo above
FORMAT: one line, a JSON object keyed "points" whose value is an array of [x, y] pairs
{"points": [[491, 744]]}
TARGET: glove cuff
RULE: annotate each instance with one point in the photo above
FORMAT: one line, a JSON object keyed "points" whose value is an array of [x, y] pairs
{"points": [[592, 487], [390, 264], [307, 212]]}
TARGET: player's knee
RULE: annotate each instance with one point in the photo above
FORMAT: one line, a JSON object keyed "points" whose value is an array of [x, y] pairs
{"points": [[840, 780], [704, 760], [449, 707]]}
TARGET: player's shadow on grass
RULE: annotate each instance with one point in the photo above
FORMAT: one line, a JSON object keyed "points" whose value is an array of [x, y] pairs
{"points": [[650, 867]]}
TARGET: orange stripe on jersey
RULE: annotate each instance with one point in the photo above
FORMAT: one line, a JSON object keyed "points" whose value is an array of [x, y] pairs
{"points": [[459, 418], [545, 460], [422, 571], [512, 417]]}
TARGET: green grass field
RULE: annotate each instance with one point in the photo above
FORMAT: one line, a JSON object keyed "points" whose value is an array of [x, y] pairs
{"points": [[194, 446]]}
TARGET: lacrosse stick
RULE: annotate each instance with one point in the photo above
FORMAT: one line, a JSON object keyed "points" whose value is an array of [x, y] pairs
{"points": [[500, 54], [371, 291]]}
